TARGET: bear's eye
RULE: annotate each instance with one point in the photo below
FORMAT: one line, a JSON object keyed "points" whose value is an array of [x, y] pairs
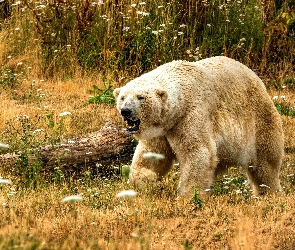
{"points": [[140, 97], [122, 98]]}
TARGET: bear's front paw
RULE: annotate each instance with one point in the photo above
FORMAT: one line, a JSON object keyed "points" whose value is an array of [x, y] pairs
{"points": [[142, 177]]}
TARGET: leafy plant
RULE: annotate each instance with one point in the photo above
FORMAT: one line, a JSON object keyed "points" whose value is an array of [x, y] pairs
{"points": [[8, 78], [196, 200], [104, 95], [58, 175], [23, 140], [233, 182], [81, 35], [291, 178], [289, 81], [290, 20], [285, 109]]}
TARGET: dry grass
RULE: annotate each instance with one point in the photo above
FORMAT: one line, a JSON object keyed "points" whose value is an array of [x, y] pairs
{"points": [[56, 97], [35, 218], [154, 219], [148, 221]]}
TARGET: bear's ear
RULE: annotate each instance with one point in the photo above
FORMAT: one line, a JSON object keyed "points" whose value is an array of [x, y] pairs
{"points": [[162, 94], [116, 92]]}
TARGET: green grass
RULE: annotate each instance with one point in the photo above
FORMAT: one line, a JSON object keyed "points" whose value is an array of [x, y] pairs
{"points": [[133, 37], [58, 57]]}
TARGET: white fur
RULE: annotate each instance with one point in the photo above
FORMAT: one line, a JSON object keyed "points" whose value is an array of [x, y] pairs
{"points": [[208, 115]]}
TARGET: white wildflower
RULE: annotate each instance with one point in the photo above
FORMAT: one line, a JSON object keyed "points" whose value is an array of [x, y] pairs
{"points": [[255, 197], [72, 198], [263, 185], [153, 156], [3, 145], [133, 5], [5, 181], [275, 97], [38, 130], [134, 235], [16, 3], [126, 193], [65, 113]]}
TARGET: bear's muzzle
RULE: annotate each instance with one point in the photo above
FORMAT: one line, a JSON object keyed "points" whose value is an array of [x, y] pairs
{"points": [[131, 122]]}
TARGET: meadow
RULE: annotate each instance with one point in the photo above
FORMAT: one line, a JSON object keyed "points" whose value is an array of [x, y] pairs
{"points": [[60, 61]]}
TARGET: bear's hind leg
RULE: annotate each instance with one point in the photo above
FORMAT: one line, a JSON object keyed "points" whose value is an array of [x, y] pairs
{"points": [[265, 176], [269, 145]]}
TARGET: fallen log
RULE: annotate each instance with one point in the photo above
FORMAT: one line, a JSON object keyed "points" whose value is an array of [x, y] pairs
{"points": [[98, 152]]}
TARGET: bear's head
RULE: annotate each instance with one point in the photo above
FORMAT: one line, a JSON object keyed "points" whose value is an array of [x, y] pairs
{"points": [[142, 105]]}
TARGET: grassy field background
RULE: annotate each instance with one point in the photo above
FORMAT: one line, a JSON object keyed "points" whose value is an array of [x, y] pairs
{"points": [[60, 60]]}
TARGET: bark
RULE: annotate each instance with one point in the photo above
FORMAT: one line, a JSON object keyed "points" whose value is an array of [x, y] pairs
{"points": [[99, 152]]}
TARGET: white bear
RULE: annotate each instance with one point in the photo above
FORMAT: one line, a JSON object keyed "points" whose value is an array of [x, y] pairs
{"points": [[207, 115]]}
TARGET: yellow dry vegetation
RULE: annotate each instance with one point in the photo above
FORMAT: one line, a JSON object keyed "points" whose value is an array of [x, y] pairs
{"points": [[153, 219]]}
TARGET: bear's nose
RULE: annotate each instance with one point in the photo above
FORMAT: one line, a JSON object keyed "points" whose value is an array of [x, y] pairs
{"points": [[126, 112]]}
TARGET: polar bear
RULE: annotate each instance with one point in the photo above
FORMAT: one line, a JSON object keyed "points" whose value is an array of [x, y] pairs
{"points": [[207, 115]]}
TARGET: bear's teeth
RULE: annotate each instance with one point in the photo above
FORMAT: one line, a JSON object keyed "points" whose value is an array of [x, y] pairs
{"points": [[132, 126]]}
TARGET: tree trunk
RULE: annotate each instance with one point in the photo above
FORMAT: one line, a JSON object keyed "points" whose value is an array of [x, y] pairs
{"points": [[99, 152]]}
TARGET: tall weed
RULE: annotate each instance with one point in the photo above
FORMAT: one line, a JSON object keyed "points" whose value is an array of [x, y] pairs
{"points": [[136, 36]]}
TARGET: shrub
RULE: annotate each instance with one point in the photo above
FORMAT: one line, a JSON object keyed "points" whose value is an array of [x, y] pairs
{"points": [[135, 36]]}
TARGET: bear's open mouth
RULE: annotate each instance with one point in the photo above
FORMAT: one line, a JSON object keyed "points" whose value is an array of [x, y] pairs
{"points": [[132, 126]]}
